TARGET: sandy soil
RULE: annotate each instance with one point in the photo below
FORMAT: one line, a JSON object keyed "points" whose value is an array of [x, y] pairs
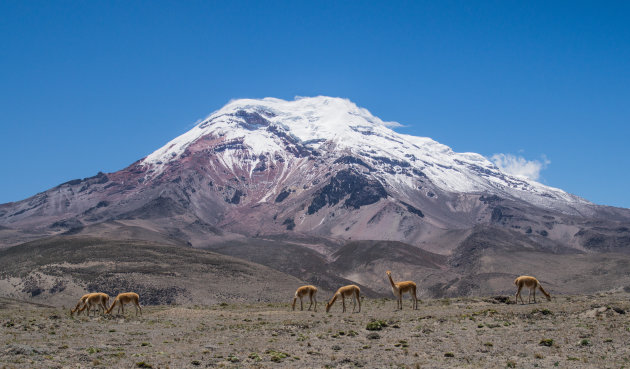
{"points": [[568, 332]]}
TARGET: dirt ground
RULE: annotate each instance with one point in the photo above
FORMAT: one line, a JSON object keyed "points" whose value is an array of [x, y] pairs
{"points": [[569, 332]]}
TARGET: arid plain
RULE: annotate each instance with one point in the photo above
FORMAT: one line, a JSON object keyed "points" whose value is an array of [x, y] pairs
{"points": [[571, 331]]}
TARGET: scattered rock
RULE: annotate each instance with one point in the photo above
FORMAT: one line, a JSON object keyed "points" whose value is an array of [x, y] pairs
{"points": [[25, 350], [500, 300], [373, 336], [618, 310]]}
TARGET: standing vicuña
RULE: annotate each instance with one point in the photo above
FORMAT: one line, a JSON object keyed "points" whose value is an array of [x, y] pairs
{"points": [[126, 298], [343, 292], [531, 283], [403, 287], [309, 290], [98, 299]]}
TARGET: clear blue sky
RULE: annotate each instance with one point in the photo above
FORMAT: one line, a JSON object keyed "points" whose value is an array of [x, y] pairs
{"points": [[90, 86]]}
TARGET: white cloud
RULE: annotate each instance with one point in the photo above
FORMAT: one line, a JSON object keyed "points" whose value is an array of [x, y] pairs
{"points": [[392, 124], [519, 166]]}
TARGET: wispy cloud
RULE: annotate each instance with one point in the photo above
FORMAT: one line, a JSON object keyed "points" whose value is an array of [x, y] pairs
{"points": [[519, 166], [392, 124]]}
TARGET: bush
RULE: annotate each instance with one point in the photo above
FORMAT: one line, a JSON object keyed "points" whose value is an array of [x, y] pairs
{"points": [[376, 325]]}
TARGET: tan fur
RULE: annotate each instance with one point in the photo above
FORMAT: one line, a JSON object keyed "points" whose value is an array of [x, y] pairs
{"points": [[531, 283], [126, 298], [99, 300], [398, 289], [80, 303], [95, 299], [346, 291], [310, 291]]}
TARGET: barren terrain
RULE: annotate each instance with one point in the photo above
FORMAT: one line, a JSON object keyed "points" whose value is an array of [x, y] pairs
{"points": [[580, 331]]}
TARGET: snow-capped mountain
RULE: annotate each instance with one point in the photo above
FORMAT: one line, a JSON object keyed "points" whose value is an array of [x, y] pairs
{"points": [[284, 134], [320, 166], [323, 190]]}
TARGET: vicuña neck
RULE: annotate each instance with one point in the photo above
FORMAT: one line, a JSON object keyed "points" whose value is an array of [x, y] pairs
{"points": [[391, 281]]}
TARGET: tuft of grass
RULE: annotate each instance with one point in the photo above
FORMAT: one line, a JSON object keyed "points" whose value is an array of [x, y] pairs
{"points": [[510, 364], [376, 325], [276, 356], [486, 312], [546, 342], [142, 364], [92, 350], [585, 342], [449, 354], [254, 356], [488, 344]]}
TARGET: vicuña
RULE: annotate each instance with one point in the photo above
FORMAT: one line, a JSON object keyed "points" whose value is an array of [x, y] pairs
{"points": [[99, 300], [126, 298], [531, 283], [309, 290], [403, 287], [343, 292]]}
